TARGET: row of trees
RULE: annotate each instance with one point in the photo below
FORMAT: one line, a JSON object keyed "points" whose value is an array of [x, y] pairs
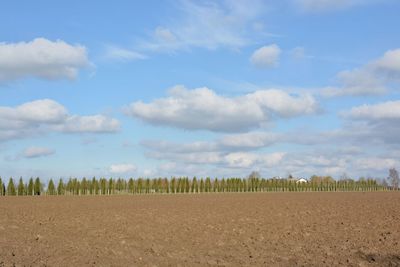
{"points": [[33, 187], [174, 185]]}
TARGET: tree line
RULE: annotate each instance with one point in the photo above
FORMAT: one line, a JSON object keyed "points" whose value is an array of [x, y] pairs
{"points": [[253, 183]]}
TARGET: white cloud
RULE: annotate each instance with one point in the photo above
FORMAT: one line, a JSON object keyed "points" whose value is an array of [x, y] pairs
{"points": [[35, 152], [376, 163], [389, 110], [122, 168], [373, 78], [90, 124], [315, 6], [389, 64], [41, 58], [209, 25], [122, 54], [334, 154], [43, 110], [208, 152], [219, 157], [249, 160], [46, 115], [200, 146], [164, 34], [358, 82], [266, 56], [202, 108], [251, 140], [299, 53], [373, 124]]}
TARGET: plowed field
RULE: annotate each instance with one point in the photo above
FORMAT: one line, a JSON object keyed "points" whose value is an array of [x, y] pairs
{"points": [[238, 229]]}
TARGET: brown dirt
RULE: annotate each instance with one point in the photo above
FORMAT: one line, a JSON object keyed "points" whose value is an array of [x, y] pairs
{"points": [[239, 229]]}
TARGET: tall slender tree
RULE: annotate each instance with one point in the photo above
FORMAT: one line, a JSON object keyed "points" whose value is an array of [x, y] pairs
{"points": [[95, 186], [84, 186], [30, 190], [201, 185], [195, 186], [60, 187], [21, 187], [1, 188], [173, 185], [51, 189], [166, 185], [11, 188], [37, 188], [103, 186], [131, 186]]}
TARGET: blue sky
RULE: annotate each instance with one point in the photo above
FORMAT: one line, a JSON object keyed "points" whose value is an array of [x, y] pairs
{"points": [[205, 88]]}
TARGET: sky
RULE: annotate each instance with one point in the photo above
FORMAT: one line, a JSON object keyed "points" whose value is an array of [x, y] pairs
{"points": [[199, 88]]}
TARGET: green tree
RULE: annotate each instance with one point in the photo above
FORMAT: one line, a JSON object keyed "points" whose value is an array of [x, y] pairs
{"points": [[222, 185], [51, 189], [195, 186], [60, 187], [216, 185], [166, 185], [119, 186], [173, 185], [95, 186], [131, 186], [187, 185], [77, 186], [84, 186], [1, 187], [147, 185], [207, 185], [11, 188], [139, 187], [30, 190], [103, 186], [21, 187], [201, 185], [37, 188], [110, 186]]}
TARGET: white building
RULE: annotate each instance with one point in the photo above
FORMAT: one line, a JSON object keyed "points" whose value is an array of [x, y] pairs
{"points": [[301, 180]]}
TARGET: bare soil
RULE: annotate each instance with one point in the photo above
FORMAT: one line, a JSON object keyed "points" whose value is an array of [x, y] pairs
{"points": [[238, 229]]}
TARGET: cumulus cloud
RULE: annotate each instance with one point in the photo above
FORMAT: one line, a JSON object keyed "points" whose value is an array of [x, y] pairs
{"points": [[209, 151], [209, 25], [249, 160], [122, 168], [36, 152], [389, 110], [298, 53], [164, 34], [202, 108], [350, 150], [228, 151], [46, 115], [90, 124], [41, 58], [389, 64], [315, 6], [266, 56], [376, 163], [375, 123], [43, 110], [373, 78], [245, 141], [219, 158], [122, 54]]}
